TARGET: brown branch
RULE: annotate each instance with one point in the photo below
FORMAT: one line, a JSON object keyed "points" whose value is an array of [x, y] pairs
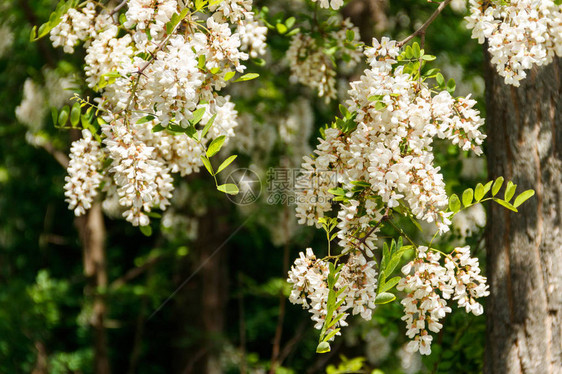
{"points": [[288, 348], [423, 27], [282, 299], [242, 328], [118, 7], [61, 157], [133, 273], [91, 229]]}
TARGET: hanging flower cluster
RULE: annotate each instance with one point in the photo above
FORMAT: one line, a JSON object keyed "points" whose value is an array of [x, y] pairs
{"points": [[312, 57], [374, 162], [429, 284], [385, 158], [158, 67], [520, 33], [355, 287]]}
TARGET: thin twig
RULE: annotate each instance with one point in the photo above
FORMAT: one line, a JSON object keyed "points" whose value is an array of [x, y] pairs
{"points": [[282, 299], [242, 327], [426, 24], [118, 7]]}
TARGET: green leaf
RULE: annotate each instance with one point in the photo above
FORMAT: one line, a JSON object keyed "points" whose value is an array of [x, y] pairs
{"points": [[350, 35], [75, 114], [454, 203], [158, 128], [496, 186], [428, 57], [440, 80], [395, 260], [63, 115], [409, 52], [208, 126], [228, 188], [331, 335], [479, 192], [199, 4], [487, 187], [451, 86], [523, 196], [509, 191], [389, 284], [226, 162], [384, 298], [505, 204], [207, 164], [215, 146], [229, 75], [247, 77], [290, 22], [416, 50], [146, 230], [294, 31], [467, 196], [197, 115], [145, 119], [335, 320], [323, 347], [379, 105]]}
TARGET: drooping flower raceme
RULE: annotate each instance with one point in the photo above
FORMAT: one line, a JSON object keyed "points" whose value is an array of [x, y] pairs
{"points": [[356, 285], [387, 159], [429, 284], [311, 57], [377, 159], [84, 175], [155, 68], [520, 33]]}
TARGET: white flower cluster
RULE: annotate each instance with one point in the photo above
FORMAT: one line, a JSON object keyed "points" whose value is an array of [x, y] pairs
{"points": [[389, 153], [32, 108], [74, 27], [334, 4], [312, 66], [429, 284], [357, 279], [6, 39], [83, 177], [140, 68], [520, 33]]}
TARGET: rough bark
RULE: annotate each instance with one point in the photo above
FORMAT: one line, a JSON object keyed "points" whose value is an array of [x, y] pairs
{"points": [[524, 250], [91, 230]]}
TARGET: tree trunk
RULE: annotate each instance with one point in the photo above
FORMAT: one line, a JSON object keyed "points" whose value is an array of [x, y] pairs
{"points": [[524, 250], [201, 303], [91, 230]]}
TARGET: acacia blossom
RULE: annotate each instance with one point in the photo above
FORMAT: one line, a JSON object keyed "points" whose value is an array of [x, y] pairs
{"points": [[356, 286], [520, 33], [389, 153], [429, 284], [153, 77], [310, 60]]}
